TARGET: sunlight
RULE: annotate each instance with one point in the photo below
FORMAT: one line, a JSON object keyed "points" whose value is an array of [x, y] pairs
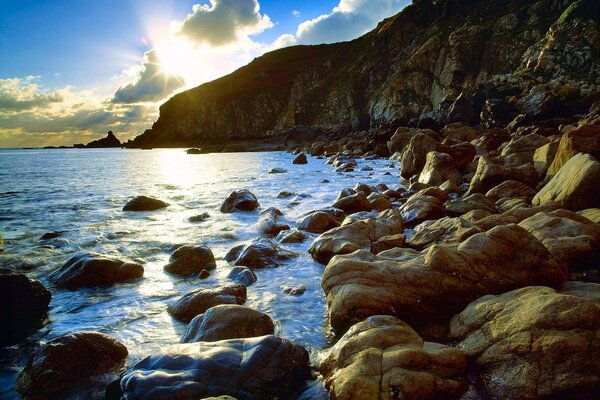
{"points": [[175, 57], [176, 168]]}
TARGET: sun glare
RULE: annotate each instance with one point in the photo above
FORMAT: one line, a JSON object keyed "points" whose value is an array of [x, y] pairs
{"points": [[175, 57]]}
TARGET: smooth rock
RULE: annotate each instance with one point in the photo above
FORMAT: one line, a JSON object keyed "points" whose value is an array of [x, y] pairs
{"points": [[584, 139], [243, 275], [198, 301], [188, 260], [318, 222], [268, 222], [291, 236], [439, 168], [240, 200], [262, 253], [353, 203], [300, 159], [511, 189], [490, 174], [144, 203]]}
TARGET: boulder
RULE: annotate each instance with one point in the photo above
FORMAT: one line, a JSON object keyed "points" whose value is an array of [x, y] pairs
{"points": [[431, 288], [67, 363], [463, 205], [543, 157], [461, 132], [384, 358], [92, 269], [265, 367], [198, 301], [439, 168], [584, 139], [388, 242], [534, 342], [240, 200], [262, 253], [379, 202], [490, 174], [401, 138], [188, 260], [227, 321], [291, 236], [356, 235], [521, 149], [300, 159], [593, 214], [199, 217], [575, 185], [295, 289], [318, 222], [24, 306], [414, 155], [511, 189], [277, 171], [421, 207], [353, 203], [144, 203], [243, 275], [268, 223]]}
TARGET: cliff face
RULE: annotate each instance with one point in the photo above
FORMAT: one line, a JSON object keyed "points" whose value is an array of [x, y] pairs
{"points": [[427, 56]]}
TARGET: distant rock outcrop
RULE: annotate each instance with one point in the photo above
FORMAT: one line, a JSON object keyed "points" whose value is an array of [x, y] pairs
{"points": [[109, 141]]}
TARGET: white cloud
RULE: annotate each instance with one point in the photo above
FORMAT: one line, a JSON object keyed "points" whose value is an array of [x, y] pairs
{"points": [[296, 13], [223, 22], [24, 94], [152, 83]]}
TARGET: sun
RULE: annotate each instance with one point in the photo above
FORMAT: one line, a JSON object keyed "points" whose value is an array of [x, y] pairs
{"points": [[175, 57]]}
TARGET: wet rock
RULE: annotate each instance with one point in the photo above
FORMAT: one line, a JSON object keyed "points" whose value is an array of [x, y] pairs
{"points": [[67, 363], [379, 202], [268, 222], [439, 168], [431, 288], [243, 275], [265, 367], [188, 260], [353, 203], [490, 174], [277, 171], [199, 218], [198, 301], [300, 159], [91, 269], [575, 185], [227, 321], [204, 274], [388, 242], [24, 306], [284, 194], [262, 253], [584, 139], [534, 342], [51, 235], [384, 358], [512, 189], [194, 151], [144, 203], [292, 236], [475, 201], [421, 207], [240, 200], [355, 235], [572, 240], [293, 289]]}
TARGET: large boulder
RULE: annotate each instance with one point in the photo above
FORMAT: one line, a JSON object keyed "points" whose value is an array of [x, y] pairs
{"points": [[384, 358], [355, 235], [262, 253], [440, 282], [421, 207], [227, 321], [401, 138], [144, 203], [512, 189], [24, 306], [188, 260], [67, 363], [463, 205], [521, 149], [198, 301], [439, 168], [318, 222], [575, 185], [461, 132], [535, 342], [353, 203], [240, 200], [490, 174], [415, 154], [584, 139], [91, 269], [259, 368], [543, 157], [268, 222]]}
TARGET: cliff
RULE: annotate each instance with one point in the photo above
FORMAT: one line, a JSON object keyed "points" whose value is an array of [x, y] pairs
{"points": [[437, 60]]}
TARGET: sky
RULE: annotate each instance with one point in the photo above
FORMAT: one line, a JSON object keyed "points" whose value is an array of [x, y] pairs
{"points": [[70, 70]]}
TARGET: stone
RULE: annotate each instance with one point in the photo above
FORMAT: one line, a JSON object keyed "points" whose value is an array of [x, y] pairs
{"points": [[268, 222], [439, 168], [523, 148], [421, 207], [317, 222], [144, 203], [575, 185], [262, 253], [388, 242], [109, 141], [277, 171], [379, 202], [534, 342], [593, 214], [194, 151], [583, 139], [198, 301], [67, 363], [511, 189], [243, 275], [227, 321], [401, 138], [355, 235], [240, 200], [300, 159], [189, 260], [291, 236], [461, 132], [92, 269], [204, 274], [265, 367], [414, 155], [199, 217], [429, 289], [384, 358], [490, 174], [353, 203], [293, 289], [544, 156], [463, 205], [24, 306]]}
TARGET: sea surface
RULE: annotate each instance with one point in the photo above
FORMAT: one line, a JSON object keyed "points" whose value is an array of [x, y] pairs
{"points": [[80, 193]]}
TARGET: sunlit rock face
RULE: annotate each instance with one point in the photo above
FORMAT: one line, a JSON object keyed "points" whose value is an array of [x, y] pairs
{"points": [[265, 367], [535, 342]]}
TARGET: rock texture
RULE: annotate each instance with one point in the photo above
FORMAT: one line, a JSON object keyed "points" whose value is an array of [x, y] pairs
{"points": [[198, 301], [262, 253], [240, 200], [384, 358], [188, 260], [109, 141]]}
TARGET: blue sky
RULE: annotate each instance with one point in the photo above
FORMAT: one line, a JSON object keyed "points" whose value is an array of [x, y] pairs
{"points": [[72, 69]]}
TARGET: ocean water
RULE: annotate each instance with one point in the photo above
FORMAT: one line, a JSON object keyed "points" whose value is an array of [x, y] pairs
{"points": [[81, 192]]}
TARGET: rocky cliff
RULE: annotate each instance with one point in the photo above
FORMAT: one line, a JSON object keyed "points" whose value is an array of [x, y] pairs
{"points": [[437, 61]]}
